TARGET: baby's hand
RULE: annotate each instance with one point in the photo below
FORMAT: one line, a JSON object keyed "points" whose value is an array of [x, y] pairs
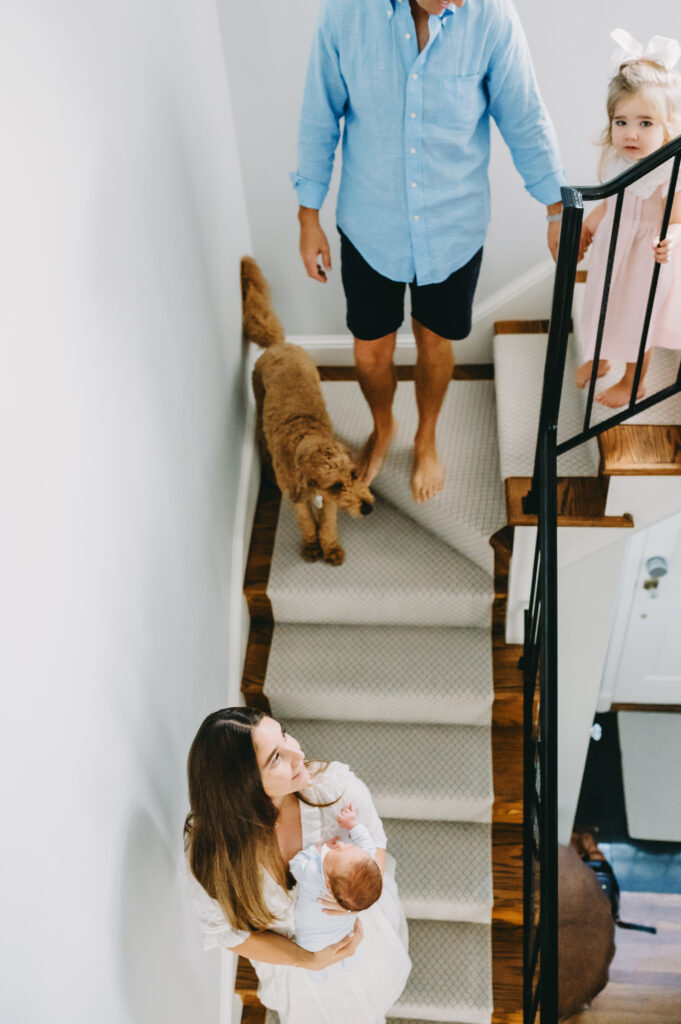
{"points": [[347, 818]]}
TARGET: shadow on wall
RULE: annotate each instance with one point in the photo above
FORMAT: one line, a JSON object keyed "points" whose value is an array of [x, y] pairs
{"points": [[158, 982]]}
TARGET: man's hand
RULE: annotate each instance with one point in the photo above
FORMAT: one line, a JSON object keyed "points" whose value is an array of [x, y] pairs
{"points": [[314, 245]]}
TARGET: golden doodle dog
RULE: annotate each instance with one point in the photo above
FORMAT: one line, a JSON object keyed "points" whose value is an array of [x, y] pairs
{"points": [[311, 466]]}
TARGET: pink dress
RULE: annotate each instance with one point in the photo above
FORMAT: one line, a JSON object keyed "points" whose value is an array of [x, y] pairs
{"points": [[632, 275]]}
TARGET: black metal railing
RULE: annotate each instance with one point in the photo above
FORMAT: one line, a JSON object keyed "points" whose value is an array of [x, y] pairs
{"points": [[540, 653]]}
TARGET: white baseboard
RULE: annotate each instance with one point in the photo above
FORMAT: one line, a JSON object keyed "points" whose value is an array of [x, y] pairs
{"points": [[526, 298], [246, 500]]}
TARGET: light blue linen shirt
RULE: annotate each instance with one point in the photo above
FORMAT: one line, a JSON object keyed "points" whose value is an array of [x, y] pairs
{"points": [[414, 193]]}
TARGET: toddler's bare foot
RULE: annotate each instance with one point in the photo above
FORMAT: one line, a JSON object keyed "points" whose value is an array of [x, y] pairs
{"points": [[370, 459], [619, 394], [583, 373], [427, 474]]}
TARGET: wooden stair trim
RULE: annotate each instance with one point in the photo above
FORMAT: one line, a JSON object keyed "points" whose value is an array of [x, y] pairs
{"points": [[256, 578], [246, 983], [660, 709], [507, 814], [462, 371], [641, 449], [581, 502], [252, 1014], [521, 327]]}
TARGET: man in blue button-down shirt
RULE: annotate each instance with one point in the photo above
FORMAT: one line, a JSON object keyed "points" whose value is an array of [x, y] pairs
{"points": [[415, 83]]}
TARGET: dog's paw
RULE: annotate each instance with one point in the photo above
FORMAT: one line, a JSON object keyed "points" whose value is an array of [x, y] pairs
{"points": [[334, 555], [312, 552]]}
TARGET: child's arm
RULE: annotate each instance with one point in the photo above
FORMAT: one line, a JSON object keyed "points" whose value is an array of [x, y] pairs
{"points": [[589, 226], [663, 250]]}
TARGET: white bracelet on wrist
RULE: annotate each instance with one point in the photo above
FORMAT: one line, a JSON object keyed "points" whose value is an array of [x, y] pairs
{"points": [[553, 218]]}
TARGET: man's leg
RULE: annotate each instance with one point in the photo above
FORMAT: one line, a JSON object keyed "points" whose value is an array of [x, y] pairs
{"points": [[377, 379], [433, 372]]}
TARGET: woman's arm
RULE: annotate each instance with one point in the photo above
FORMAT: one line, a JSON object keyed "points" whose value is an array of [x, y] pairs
{"points": [[272, 948]]}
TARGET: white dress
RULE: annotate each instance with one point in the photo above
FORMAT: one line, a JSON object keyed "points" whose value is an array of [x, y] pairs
{"points": [[360, 996]]}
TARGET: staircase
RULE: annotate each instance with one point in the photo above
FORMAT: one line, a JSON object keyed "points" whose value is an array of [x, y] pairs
{"points": [[396, 662], [387, 663], [649, 444]]}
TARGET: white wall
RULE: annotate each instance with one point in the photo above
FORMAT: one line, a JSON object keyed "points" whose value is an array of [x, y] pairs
{"points": [[267, 50], [121, 425]]}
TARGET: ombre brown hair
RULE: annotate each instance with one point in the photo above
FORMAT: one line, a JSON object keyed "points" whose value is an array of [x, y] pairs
{"points": [[229, 831]]}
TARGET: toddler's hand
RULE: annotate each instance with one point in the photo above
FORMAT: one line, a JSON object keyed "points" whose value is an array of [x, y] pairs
{"points": [[663, 250], [347, 818]]}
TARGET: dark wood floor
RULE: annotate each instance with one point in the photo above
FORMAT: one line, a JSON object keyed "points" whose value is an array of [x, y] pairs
{"points": [[645, 976]]}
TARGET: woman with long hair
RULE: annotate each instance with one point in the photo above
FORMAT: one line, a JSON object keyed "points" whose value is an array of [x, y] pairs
{"points": [[256, 802]]}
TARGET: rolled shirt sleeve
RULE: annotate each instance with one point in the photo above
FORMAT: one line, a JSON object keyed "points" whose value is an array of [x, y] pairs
{"points": [[323, 107], [518, 109]]}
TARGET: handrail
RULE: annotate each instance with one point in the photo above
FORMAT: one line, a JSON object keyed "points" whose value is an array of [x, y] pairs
{"points": [[540, 653]]}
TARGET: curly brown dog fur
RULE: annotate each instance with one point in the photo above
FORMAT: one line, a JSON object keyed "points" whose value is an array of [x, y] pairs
{"points": [[293, 423]]}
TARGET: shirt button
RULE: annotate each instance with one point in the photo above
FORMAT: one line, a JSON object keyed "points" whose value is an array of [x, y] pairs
{"points": [[407, 35], [413, 184], [416, 216], [414, 76], [412, 150], [413, 115]]}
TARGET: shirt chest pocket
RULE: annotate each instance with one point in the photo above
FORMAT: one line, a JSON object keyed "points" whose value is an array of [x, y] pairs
{"points": [[461, 102]]}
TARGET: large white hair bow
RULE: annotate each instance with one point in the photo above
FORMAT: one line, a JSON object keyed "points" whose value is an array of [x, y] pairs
{"points": [[660, 49]]}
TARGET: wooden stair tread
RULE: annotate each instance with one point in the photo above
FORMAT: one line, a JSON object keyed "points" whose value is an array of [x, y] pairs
{"points": [[581, 502], [641, 449]]}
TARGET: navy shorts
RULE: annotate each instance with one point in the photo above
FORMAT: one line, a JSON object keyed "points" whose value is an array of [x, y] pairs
{"points": [[375, 304]]}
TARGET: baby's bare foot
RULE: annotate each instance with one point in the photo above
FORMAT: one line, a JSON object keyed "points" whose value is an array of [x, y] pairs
{"points": [[372, 455], [619, 394], [583, 373], [427, 474]]}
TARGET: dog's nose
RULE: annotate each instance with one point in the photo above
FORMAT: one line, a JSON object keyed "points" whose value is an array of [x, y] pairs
{"points": [[366, 508]]}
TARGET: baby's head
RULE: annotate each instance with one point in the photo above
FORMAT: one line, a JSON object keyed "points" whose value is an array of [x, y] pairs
{"points": [[352, 875], [643, 90]]}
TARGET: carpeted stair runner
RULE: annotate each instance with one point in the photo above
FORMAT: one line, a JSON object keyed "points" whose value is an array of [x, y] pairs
{"points": [[395, 573], [470, 508], [391, 674], [384, 663]]}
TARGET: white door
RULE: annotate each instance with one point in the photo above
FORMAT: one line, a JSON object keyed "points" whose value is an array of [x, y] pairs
{"points": [[648, 664]]}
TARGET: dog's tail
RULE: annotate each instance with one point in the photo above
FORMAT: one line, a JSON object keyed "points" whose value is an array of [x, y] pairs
{"points": [[260, 323]]}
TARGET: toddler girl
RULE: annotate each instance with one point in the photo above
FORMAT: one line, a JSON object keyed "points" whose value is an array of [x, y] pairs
{"points": [[346, 870], [644, 112]]}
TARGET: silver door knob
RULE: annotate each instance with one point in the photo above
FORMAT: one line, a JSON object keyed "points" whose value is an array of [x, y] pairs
{"points": [[656, 566]]}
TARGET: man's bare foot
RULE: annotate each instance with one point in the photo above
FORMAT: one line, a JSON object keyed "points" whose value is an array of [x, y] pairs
{"points": [[619, 394], [583, 373], [427, 474], [370, 459]]}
